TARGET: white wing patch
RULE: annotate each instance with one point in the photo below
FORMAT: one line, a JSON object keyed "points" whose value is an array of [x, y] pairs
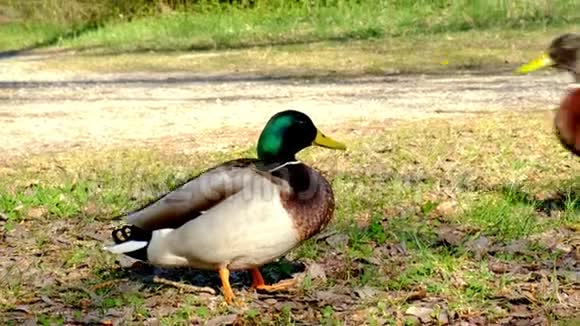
{"points": [[126, 247]]}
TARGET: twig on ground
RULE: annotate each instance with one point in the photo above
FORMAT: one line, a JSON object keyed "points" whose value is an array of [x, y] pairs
{"points": [[186, 287], [324, 235], [108, 283]]}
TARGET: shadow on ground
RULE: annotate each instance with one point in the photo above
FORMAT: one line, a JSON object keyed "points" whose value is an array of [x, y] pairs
{"points": [[557, 200], [144, 274]]}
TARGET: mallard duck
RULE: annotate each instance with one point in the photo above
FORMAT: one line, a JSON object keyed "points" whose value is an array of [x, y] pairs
{"points": [[563, 53], [241, 214]]}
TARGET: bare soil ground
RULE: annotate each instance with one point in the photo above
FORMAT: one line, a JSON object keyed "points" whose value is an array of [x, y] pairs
{"points": [[46, 110]]}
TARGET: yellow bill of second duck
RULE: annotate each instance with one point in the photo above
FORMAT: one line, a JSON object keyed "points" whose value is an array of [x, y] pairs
{"points": [[536, 64]]}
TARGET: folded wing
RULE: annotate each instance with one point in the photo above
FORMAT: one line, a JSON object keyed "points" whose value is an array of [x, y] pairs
{"points": [[194, 197]]}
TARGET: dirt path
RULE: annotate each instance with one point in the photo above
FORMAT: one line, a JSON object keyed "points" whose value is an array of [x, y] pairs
{"points": [[49, 110]]}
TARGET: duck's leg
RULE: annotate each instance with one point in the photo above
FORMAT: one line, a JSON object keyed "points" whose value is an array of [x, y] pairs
{"points": [[257, 279], [225, 278], [258, 282]]}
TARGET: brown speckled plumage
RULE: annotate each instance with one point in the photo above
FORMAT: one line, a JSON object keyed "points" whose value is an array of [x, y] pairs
{"points": [[310, 200]]}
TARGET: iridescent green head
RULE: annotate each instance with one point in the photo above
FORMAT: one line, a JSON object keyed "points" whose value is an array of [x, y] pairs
{"points": [[287, 133]]}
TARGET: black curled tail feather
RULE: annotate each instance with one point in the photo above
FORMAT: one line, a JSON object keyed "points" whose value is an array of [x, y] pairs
{"points": [[128, 233], [131, 232]]}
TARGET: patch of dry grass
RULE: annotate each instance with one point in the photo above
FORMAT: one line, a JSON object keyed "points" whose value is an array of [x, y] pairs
{"points": [[474, 220]]}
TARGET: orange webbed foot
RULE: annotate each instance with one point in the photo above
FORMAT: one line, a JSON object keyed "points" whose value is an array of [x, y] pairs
{"points": [[258, 282]]}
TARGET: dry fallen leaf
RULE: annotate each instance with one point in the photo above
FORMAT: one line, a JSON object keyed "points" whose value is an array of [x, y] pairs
{"points": [[458, 281], [316, 271], [337, 240], [501, 268], [479, 246], [520, 311], [332, 298], [447, 208], [365, 292], [222, 320], [423, 313], [554, 239], [36, 212], [151, 322], [416, 295], [450, 235], [91, 208]]}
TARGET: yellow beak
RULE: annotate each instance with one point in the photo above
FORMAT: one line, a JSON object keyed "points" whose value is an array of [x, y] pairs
{"points": [[536, 64], [324, 141]]}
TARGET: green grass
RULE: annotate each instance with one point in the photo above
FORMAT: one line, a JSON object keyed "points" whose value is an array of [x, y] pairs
{"points": [[18, 36], [490, 50], [283, 22], [400, 195]]}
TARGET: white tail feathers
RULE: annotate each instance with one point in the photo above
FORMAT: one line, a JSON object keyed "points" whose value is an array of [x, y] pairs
{"points": [[125, 247]]}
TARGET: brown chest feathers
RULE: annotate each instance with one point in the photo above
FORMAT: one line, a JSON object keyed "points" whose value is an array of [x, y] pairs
{"points": [[567, 121], [310, 200]]}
